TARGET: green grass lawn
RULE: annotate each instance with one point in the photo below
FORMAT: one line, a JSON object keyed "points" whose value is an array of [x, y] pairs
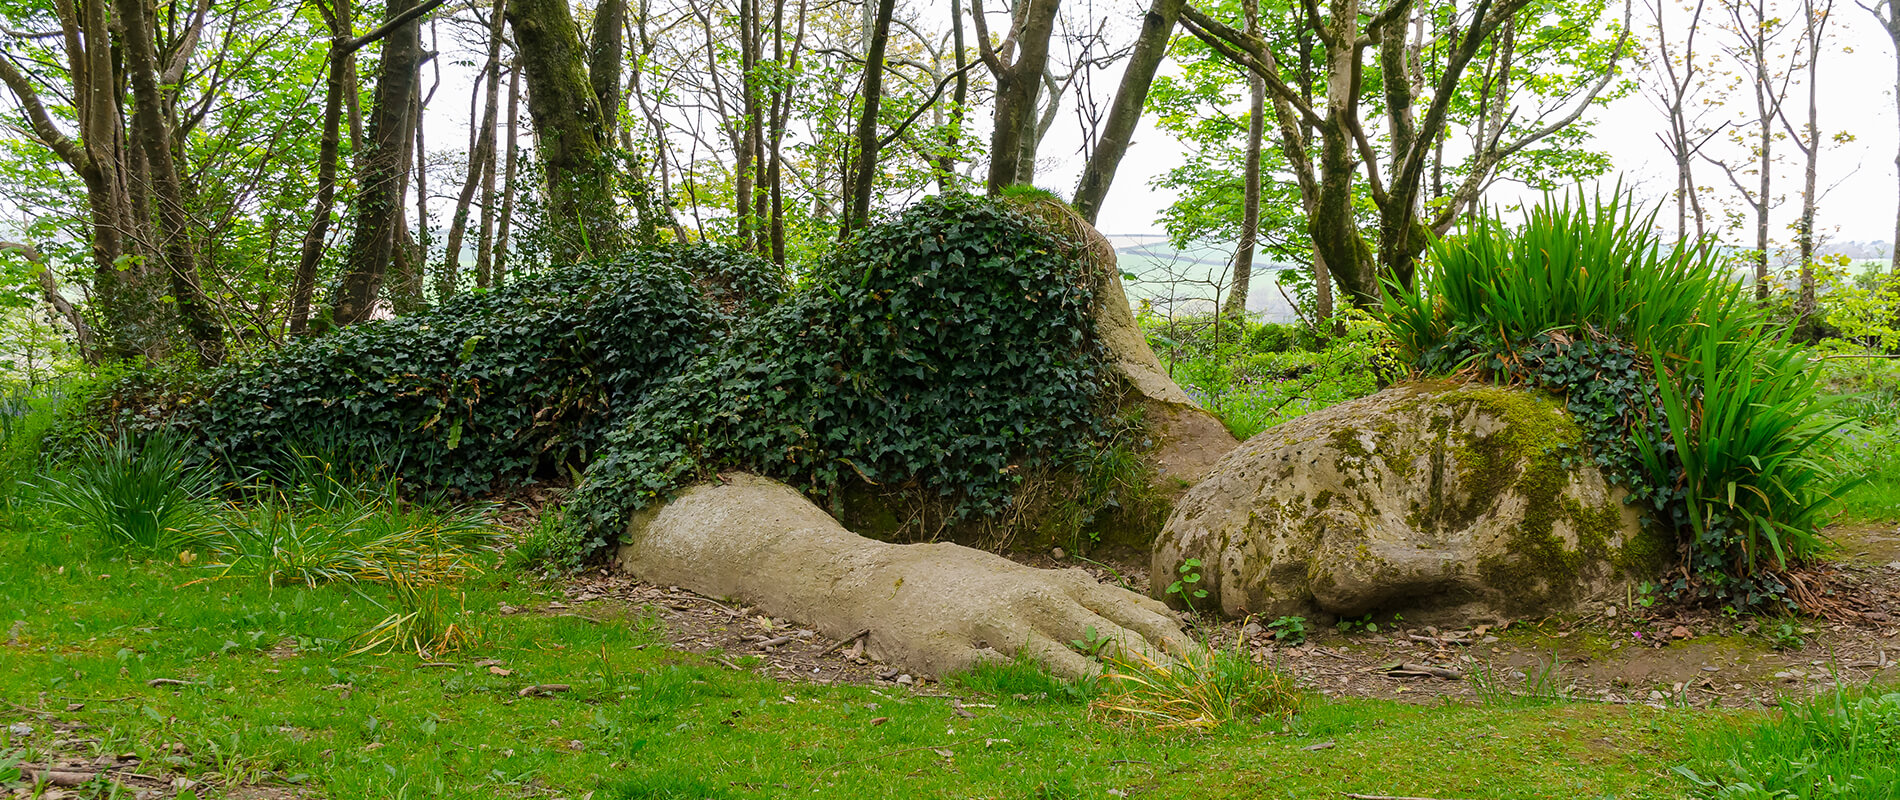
{"points": [[273, 696]]}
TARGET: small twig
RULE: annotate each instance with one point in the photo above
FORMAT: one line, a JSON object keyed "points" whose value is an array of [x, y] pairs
{"points": [[46, 714], [835, 646], [543, 689], [580, 617], [1409, 669], [427, 664], [70, 778], [707, 601], [168, 682], [776, 641]]}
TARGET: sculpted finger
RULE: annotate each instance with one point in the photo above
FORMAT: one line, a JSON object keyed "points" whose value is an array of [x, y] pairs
{"points": [[1148, 618], [1071, 622], [1058, 657]]}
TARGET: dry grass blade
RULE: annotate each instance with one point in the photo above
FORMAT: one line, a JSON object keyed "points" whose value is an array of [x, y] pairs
{"points": [[1202, 690]]}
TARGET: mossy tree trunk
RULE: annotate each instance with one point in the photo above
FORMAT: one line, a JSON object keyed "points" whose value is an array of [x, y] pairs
{"points": [[382, 167], [571, 127]]}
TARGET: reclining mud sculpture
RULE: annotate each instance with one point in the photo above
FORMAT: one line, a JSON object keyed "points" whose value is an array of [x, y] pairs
{"points": [[937, 607], [955, 357]]}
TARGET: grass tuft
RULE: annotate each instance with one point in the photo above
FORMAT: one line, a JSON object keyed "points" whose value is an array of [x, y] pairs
{"points": [[141, 494], [1202, 690]]}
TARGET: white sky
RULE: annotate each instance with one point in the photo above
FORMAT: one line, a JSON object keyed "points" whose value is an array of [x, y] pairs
{"points": [[1856, 96], [1856, 177]]}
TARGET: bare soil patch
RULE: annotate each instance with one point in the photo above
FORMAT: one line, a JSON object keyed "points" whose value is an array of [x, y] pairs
{"points": [[1656, 655]]}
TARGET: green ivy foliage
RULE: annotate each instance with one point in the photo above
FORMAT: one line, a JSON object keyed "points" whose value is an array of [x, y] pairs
{"points": [[480, 393], [948, 351]]}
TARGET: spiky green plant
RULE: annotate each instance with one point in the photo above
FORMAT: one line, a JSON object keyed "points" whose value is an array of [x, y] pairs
{"points": [[1732, 446], [284, 542], [1570, 265], [1750, 435], [144, 494]]}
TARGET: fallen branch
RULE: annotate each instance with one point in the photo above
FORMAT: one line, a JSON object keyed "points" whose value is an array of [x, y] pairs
{"points": [[71, 778], [1409, 670]]}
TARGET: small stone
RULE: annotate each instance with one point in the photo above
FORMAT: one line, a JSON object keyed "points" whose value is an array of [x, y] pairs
{"points": [[20, 729], [1610, 612], [1252, 629], [1059, 554], [906, 679]]}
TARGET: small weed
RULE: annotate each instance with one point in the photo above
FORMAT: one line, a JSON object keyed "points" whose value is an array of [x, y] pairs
{"points": [[1364, 623], [1542, 684], [1787, 634], [1092, 644], [541, 544], [1288, 630], [1186, 585]]}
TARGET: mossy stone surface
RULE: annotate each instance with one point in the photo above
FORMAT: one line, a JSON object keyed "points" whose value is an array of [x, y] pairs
{"points": [[1440, 500]]}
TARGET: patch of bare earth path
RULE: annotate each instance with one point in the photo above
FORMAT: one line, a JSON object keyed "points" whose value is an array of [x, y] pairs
{"points": [[1651, 654]]}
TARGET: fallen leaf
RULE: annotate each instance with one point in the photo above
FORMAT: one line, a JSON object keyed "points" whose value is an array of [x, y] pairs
{"points": [[493, 670]]}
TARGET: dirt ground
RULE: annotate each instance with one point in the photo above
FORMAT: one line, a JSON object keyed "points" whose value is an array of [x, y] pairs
{"points": [[1655, 654]]}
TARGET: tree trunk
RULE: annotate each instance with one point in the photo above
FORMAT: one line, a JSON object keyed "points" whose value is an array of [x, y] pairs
{"points": [[1250, 204], [174, 218], [480, 165], [1151, 45], [303, 284], [1017, 84], [864, 176], [583, 216], [960, 96], [508, 186], [1814, 30], [606, 48], [1891, 23], [382, 170]]}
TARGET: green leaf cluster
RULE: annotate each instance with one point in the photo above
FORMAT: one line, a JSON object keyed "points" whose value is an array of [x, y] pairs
{"points": [[480, 393], [947, 351], [1688, 395]]}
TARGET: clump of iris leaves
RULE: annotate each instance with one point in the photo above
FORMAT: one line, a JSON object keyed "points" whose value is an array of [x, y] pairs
{"points": [[1690, 395]]}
